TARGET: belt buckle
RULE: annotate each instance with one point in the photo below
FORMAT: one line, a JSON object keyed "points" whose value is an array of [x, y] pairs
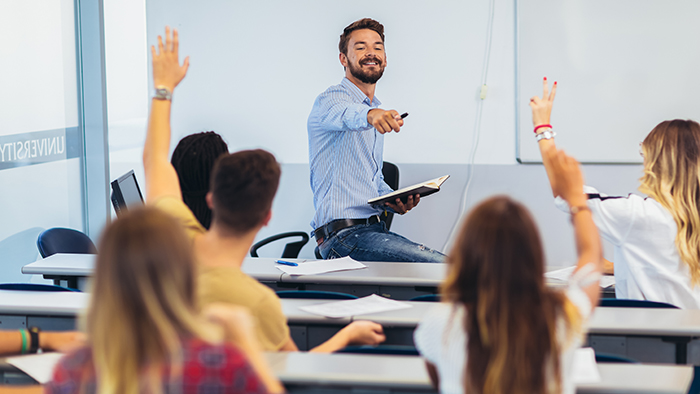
{"points": [[375, 217]]}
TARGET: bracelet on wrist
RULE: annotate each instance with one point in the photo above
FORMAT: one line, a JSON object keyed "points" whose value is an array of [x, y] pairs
{"points": [[545, 135], [163, 93], [23, 332], [34, 336], [549, 126]]}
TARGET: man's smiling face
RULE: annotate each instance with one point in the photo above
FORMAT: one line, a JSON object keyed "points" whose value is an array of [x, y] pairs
{"points": [[365, 58]]}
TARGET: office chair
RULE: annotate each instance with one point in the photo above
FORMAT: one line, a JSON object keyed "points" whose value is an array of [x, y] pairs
{"points": [[34, 287], [391, 177], [612, 358], [64, 240], [400, 350], [291, 250], [315, 294], [427, 298], [622, 303]]}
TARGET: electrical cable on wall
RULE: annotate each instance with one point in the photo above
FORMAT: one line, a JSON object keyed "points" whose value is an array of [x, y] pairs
{"points": [[477, 123]]}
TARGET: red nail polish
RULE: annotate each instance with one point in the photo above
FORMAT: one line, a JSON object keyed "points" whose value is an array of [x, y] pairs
{"points": [[545, 78], [555, 82]]}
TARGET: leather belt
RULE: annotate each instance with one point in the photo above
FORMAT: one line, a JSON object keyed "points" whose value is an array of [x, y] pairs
{"points": [[322, 233]]}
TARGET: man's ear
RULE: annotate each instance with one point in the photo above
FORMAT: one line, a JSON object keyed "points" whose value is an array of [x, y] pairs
{"points": [[267, 218], [343, 60], [210, 200]]}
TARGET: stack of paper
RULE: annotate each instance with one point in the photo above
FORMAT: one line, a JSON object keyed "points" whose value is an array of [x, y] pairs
{"points": [[360, 306], [322, 266]]}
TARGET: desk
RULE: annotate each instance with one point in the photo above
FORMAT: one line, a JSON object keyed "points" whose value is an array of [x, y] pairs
{"points": [[352, 373], [345, 373], [401, 281], [646, 335], [393, 280], [52, 311]]}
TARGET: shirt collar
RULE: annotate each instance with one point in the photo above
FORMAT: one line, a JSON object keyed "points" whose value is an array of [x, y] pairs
{"points": [[358, 94]]}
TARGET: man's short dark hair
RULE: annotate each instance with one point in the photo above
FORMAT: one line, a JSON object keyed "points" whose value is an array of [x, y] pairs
{"points": [[243, 185], [365, 23]]}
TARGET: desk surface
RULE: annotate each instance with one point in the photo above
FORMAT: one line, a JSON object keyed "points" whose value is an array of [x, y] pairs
{"points": [[42, 303], [611, 321], [263, 269], [409, 372]]}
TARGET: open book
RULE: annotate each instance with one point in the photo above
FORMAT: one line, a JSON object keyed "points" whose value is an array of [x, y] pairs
{"points": [[424, 189]]}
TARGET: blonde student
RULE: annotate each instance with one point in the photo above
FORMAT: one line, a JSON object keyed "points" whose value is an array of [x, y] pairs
{"points": [[144, 333], [501, 329], [657, 238]]}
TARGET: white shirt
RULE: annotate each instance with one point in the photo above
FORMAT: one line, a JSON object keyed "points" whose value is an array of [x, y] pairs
{"points": [[441, 337], [647, 264]]}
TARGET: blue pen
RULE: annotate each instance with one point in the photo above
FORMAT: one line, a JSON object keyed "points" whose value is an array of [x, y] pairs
{"points": [[286, 263]]}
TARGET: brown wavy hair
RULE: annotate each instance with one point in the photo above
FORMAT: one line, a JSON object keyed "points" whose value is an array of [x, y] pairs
{"points": [[496, 271], [672, 177]]}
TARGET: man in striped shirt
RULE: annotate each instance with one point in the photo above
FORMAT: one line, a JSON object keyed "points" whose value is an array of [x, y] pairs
{"points": [[346, 143]]}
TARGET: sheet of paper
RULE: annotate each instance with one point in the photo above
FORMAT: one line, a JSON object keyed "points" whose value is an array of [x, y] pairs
{"points": [[38, 366], [585, 369], [322, 266], [361, 306], [563, 275]]}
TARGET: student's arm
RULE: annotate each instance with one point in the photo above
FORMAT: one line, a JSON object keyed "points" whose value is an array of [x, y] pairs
{"points": [[434, 377], [11, 341], [361, 332], [161, 178], [566, 176], [33, 389], [608, 267]]}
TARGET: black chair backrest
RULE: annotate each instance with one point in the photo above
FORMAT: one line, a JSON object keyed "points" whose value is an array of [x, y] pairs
{"points": [[315, 294], [612, 358], [391, 177], [622, 303], [427, 298], [34, 287], [64, 240], [399, 350], [291, 250]]}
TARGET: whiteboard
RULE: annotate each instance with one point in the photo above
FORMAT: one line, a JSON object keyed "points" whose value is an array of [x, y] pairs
{"points": [[623, 66], [257, 67]]}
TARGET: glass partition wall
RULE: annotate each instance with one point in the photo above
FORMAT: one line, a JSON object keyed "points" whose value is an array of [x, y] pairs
{"points": [[52, 125]]}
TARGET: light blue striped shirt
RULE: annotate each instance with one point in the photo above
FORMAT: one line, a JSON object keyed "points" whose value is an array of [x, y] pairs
{"points": [[345, 155]]}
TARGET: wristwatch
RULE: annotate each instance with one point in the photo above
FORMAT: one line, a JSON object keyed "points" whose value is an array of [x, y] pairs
{"points": [[545, 135], [163, 94], [34, 336]]}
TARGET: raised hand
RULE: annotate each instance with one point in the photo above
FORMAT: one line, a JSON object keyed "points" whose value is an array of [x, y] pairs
{"points": [[167, 71], [542, 107]]}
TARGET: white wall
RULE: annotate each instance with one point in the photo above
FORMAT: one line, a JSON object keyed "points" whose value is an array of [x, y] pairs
{"points": [[231, 71]]}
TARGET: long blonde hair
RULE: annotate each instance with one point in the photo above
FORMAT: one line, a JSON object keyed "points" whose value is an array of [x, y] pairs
{"points": [[672, 177], [496, 271], [142, 302]]}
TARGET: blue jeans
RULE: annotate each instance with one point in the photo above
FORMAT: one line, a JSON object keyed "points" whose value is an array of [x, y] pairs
{"points": [[373, 242]]}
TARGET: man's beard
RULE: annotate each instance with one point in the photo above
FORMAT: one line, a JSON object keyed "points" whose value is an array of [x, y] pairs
{"points": [[366, 76]]}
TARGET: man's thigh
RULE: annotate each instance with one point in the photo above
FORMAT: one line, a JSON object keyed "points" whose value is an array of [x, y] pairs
{"points": [[374, 243]]}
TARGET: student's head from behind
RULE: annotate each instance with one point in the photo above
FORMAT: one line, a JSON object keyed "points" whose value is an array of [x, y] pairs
{"points": [[143, 296], [672, 177], [495, 272], [497, 253], [193, 160], [361, 49], [243, 186]]}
